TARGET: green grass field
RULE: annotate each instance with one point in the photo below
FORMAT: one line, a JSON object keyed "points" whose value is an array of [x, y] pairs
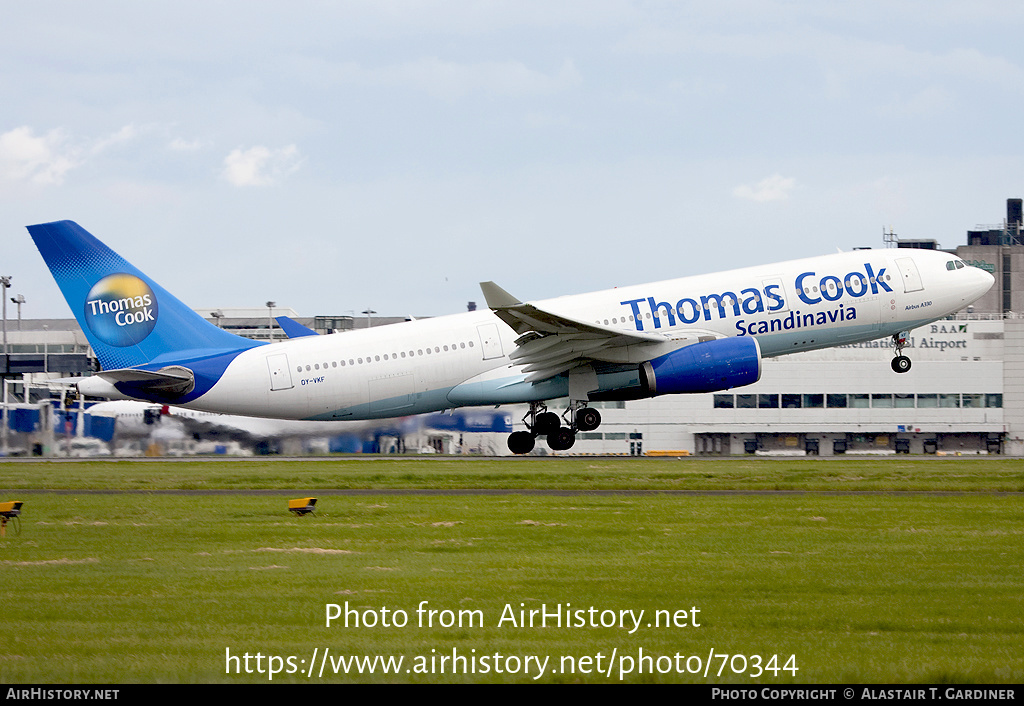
{"points": [[164, 587], [571, 473]]}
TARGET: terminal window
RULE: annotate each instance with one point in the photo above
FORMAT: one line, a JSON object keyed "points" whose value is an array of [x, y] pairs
{"points": [[814, 401], [877, 400]]}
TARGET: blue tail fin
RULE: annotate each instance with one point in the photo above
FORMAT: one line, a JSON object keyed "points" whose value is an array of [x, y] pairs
{"points": [[129, 319]]}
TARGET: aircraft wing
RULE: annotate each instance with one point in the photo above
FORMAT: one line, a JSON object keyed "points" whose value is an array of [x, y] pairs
{"points": [[552, 343], [528, 317]]}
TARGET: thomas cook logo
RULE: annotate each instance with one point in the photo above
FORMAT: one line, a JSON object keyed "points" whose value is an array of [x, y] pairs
{"points": [[121, 310]]}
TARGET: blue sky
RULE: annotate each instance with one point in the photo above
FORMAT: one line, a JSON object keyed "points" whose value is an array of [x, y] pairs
{"points": [[334, 156]]}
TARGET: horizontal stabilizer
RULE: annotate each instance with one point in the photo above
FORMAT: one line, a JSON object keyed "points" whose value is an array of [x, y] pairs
{"points": [[173, 380]]}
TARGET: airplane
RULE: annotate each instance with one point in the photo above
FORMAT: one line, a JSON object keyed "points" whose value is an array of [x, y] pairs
{"points": [[136, 419], [146, 420], [696, 334]]}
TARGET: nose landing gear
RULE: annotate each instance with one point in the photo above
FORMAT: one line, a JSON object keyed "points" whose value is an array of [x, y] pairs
{"points": [[901, 363]]}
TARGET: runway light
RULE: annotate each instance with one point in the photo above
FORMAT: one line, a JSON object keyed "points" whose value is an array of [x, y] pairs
{"points": [[302, 506], [10, 511]]}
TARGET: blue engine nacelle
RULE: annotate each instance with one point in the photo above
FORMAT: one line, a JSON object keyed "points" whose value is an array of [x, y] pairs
{"points": [[703, 367]]}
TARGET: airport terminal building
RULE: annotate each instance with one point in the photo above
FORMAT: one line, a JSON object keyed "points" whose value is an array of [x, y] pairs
{"points": [[964, 393]]}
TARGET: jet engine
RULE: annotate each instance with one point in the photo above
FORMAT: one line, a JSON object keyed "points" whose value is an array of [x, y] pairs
{"points": [[703, 367]]}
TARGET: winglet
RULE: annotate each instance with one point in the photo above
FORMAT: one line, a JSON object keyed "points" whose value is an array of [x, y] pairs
{"points": [[496, 297], [292, 328]]}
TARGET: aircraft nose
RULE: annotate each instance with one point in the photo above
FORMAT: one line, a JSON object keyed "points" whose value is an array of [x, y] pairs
{"points": [[987, 280], [980, 282]]}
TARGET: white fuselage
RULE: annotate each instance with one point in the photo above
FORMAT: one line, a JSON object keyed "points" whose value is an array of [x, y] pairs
{"points": [[450, 361]]}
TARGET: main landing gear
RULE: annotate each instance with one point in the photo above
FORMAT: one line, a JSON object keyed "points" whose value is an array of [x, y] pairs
{"points": [[901, 363], [541, 422]]}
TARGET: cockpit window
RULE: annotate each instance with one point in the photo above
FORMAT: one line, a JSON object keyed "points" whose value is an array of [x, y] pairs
{"points": [[950, 265], [960, 265]]}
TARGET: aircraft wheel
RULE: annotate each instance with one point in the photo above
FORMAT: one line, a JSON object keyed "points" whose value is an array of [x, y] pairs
{"points": [[900, 364], [520, 442], [546, 423], [588, 419], [562, 439]]}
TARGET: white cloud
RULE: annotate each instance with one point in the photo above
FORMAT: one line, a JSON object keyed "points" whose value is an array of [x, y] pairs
{"points": [[179, 144], [43, 159], [125, 134], [260, 166], [840, 55], [46, 159], [449, 79], [774, 188]]}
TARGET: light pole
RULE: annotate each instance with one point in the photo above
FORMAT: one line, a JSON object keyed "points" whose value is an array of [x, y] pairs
{"points": [[270, 315], [217, 316], [369, 312], [5, 282], [19, 300]]}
